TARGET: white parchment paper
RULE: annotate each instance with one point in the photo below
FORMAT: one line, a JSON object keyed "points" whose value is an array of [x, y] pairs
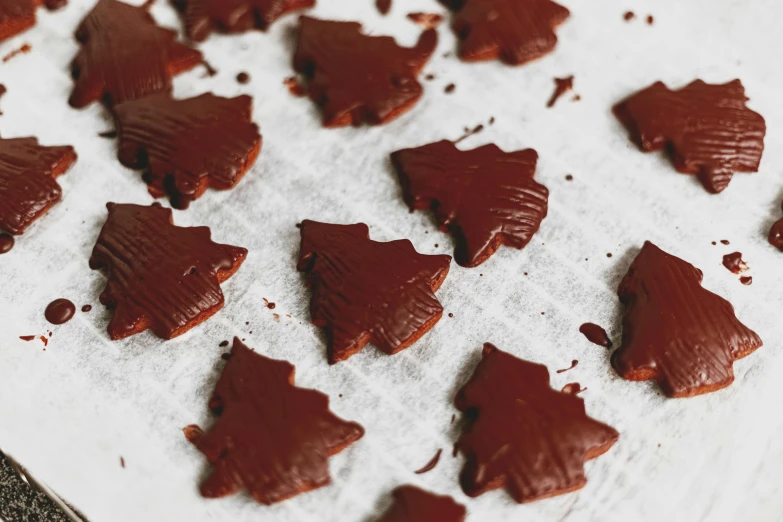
{"points": [[70, 412]]}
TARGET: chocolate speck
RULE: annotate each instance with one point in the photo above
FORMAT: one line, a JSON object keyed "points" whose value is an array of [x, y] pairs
{"points": [[562, 85], [470, 132], [429, 77], [211, 71], [714, 243], [608, 254], [492, 120], [341, 395], [243, 78], [277, 317], [628, 16], [725, 242], [451, 315], [122, 462], [223, 344], [108, 134], [27, 338], [23, 49], [569, 177], [86, 308], [449, 88], [746, 280], [650, 20], [436, 245]]}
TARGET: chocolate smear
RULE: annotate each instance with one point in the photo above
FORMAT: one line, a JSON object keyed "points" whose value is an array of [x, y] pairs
{"points": [[429, 466], [269, 436], [707, 129], [124, 55], [514, 31], [573, 365], [160, 276], [187, 146], [368, 291], [201, 17], [60, 311], [596, 335], [486, 197], [27, 180], [412, 504], [734, 263], [355, 77], [523, 435], [674, 330], [25, 48], [562, 86]]}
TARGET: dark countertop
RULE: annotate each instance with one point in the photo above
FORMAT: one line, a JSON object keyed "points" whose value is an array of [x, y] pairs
{"points": [[21, 503]]}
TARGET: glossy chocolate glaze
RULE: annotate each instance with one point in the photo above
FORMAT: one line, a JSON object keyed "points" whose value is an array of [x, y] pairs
{"points": [[674, 330], [355, 77], [368, 291], [17, 16], [522, 434], [160, 276], [60, 311], [27, 180], [514, 31], [233, 16], [412, 504], [188, 145], [485, 196], [707, 129], [595, 334], [125, 56], [269, 437]]}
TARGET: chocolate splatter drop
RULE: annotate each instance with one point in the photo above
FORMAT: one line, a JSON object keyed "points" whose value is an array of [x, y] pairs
{"points": [[573, 388], [449, 88], [562, 86], [60, 311], [22, 50], [734, 263], [243, 78], [628, 16], [86, 308], [6, 243], [573, 365], [595, 334], [746, 280], [429, 466]]}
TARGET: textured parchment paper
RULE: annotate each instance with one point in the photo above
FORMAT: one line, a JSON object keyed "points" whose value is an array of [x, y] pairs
{"points": [[69, 413]]}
